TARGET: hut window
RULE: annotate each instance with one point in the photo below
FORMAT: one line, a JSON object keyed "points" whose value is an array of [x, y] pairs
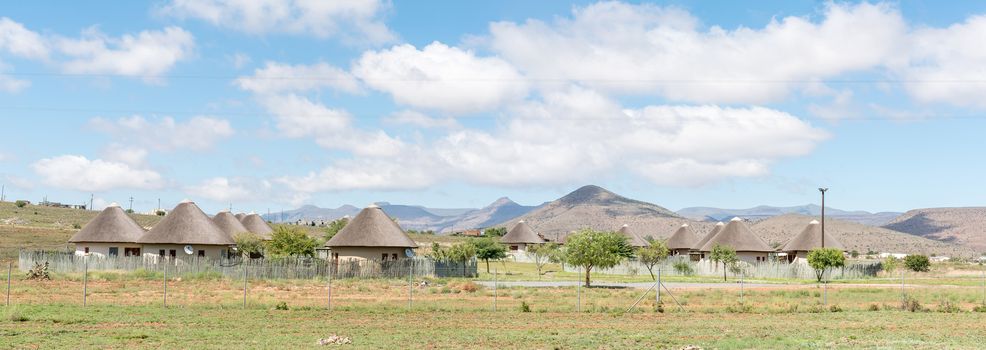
{"points": [[513, 247], [394, 256], [131, 251], [114, 251], [160, 252], [384, 257], [86, 250], [172, 253], [201, 252]]}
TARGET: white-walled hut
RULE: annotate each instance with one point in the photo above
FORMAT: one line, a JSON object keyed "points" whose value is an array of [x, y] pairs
{"points": [[738, 236], [256, 224], [520, 236], [186, 229], [229, 224], [810, 238], [371, 235], [683, 240], [111, 233], [696, 253], [633, 237]]}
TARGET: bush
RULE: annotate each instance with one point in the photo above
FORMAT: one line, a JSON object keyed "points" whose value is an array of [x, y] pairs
{"points": [[524, 307], [873, 307], [835, 308], [740, 308], [947, 306], [917, 263], [281, 306], [911, 304], [889, 264], [979, 308], [20, 204], [469, 287], [683, 268], [76, 226]]}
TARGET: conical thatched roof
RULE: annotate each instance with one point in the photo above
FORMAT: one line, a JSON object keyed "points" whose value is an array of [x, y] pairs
{"points": [[521, 233], [683, 238], [715, 230], [228, 223], [811, 238], [634, 239], [371, 228], [112, 225], [186, 224], [737, 235], [240, 216], [256, 224]]}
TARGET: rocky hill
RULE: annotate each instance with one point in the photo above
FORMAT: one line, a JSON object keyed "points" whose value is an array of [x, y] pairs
{"points": [[595, 207], [966, 226], [855, 236], [766, 211]]}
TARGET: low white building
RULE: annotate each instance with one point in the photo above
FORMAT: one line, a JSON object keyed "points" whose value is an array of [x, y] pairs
{"points": [[521, 236], [186, 233], [738, 236], [810, 238]]}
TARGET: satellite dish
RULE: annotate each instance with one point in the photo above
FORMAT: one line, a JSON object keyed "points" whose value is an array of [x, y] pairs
{"points": [[189, 250], [409, 252]]}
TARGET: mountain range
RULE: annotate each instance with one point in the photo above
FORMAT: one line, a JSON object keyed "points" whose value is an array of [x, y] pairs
{"points": [[764, 212]]}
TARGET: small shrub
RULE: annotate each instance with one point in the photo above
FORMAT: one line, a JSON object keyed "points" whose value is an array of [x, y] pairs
{"points": [[15, 315], [911, 304], [524, 307], [281, 306], [815, 309], [948, 306], [873, 307], [740, 308], [979, 308], [20, 204], [835, 308], [659, 307], [683, 268], [76, 226], [917, 263], [469, 287]]}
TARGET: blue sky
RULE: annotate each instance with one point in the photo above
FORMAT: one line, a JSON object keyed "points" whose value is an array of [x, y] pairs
{"points": [[454, 104]]}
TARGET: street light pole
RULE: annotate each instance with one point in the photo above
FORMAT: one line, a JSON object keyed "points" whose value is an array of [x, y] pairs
{"points": [[822, 190]]}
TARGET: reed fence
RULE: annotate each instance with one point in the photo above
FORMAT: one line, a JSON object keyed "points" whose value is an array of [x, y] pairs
{"points": [[682, 266]]}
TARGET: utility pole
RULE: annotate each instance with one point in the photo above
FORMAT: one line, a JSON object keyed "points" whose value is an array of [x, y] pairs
{"points": [[91, 196], [131, 204], [823, 190], [158, 205], [3, 192]]}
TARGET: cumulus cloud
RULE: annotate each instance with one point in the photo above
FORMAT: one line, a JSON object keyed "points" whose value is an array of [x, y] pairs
{"points": [[442, 78], [20, 41], [165, 134], [277, 78], [148, 53], [946, 64], [82, 174], [224, 189], [353, 21], [413, 118], [647, 49], [576, 135]]}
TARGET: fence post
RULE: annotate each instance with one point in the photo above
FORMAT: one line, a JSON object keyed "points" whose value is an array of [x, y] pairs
{"points": [[85, 280], [742, 284], [494, 288], [578, 290], [9, 264], [410, 285], [166, 285], [244, 284], [903, 295], [328, 304], [658, 300]]}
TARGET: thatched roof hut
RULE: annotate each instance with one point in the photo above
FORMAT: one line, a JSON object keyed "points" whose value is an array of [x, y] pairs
{"points": [[737, 235], [256, 224], [811, 238], [521, 233], [633, 237], [228, 223], [186, 224], [112, 225], [708, 237], [683, 238], [371, 228]]}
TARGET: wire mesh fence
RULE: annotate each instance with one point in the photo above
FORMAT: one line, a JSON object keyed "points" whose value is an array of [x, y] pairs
{"points": [[682, 266]]}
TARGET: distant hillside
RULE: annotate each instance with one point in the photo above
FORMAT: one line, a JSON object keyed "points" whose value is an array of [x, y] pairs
{"points": [[501, 210], [855, 236], [595, 207], [965, 226], [311, 212], [765, 211]]}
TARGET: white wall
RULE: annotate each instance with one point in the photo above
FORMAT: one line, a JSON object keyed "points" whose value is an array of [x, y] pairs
{"points": [[103, 249], [211, 251]]}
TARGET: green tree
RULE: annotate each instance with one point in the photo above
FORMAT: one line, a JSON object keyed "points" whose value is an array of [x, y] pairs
{"points": [[20, 203], [462, 253], [489, 249], [917, 263], [589, 249], [823, 259], [724, 255], [334, 227], [495, 231], [291, 241], [889, 264], [248, 244], [542, 254], [439, 253], [653, 255]]}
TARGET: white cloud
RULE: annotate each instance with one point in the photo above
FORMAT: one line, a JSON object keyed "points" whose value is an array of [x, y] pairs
{"points": [[165, 134], [419, 119], [239, 60], [147, 54], [579, 135], [441, 77], [646, 49], [132, 156], [352, 20], [11, 84], [81, 174], [20, 41], [280, 78], [946, 64], [224, 189]]}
